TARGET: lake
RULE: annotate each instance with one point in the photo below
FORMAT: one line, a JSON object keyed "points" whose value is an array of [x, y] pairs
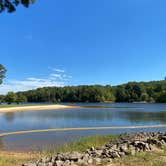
{"points": [[91, 115]]}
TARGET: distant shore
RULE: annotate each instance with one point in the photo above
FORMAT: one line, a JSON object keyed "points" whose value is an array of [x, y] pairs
{"points": [[33, 108]]}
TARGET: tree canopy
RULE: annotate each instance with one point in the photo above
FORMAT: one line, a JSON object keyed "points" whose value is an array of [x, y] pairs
{"points": [[154, 91], [2, 73], [91, 93], [10, 5], [10, 97]]}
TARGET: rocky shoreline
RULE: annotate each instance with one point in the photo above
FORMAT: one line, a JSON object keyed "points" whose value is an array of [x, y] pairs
{"points": [[126, 144]]}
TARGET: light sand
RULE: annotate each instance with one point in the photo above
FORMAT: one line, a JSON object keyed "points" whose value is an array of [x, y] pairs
{"points": [[81, 129], [34, 108]]}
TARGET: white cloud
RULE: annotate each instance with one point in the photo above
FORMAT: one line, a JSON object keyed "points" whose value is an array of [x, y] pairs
{"points": [[59, 70], [56, 76], [54, 79]]}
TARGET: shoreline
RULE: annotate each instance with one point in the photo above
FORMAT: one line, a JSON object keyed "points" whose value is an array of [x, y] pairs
{"points": [[34, 108], [97, 150], [107, 152]]}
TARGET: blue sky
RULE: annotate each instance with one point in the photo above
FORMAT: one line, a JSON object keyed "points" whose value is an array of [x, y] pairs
{"points": [[83, 42]]}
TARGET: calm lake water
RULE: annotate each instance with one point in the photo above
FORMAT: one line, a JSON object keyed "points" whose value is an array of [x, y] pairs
{"points": [[118, 114]]}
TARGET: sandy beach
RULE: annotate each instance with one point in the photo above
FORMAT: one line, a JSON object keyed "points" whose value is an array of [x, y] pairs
{"points": [[34, 108]]}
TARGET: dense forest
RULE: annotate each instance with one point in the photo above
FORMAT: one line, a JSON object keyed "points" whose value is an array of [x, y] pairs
{"points": [[154, 91]]}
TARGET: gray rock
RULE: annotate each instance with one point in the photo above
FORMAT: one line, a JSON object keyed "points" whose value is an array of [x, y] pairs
{"points": [[82, 162], [114, 154], [114, 146], [51, 164], [163, 142], [73, 164], [106, 153], [59, 157], [88, 151], [75, 156], [59, 163], [46, 159], [67, 163], [151, 141], [92, 148], [98, 152], [163, 138], [97, 161], [90, 161], [121, 154], [85, 158], [53, 158], [124, 148]]}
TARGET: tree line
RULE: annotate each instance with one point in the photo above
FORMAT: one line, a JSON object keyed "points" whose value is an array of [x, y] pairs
{"points": [[154, 91], [12, 97]]}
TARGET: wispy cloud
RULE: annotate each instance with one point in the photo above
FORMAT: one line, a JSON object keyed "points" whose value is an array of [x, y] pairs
{"points": [[58, 70], [55, 78]]}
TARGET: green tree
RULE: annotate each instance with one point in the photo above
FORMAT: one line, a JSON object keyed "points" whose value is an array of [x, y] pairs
{"points": [[1, 98], [120, 94], [144, 97], [10, 97], [2, 73], [161, 98], [10, 5], [20, 98]]}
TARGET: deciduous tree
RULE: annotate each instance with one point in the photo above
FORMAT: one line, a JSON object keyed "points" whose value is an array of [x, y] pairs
{"points": [[10, 97], [2, 73], [10, 5]]}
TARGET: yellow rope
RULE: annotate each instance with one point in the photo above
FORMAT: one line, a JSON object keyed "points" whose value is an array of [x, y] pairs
{"points": [[80, 129]]}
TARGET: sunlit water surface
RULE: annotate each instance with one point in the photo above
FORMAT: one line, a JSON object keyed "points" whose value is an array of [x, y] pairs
{"points": [[92, 115]]}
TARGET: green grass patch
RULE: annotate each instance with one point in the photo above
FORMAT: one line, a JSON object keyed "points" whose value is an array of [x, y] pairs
{"points": [[153, 158], [82, 144], [10, 161], [16, 159]]}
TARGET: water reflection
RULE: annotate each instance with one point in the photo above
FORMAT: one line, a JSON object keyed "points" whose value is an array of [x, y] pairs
{"points": [[88, 114], [84, 117], [143, 116], [9, 116], [123, 115]]}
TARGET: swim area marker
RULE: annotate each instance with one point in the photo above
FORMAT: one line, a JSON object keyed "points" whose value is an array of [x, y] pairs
{"points": [[80, 129]]}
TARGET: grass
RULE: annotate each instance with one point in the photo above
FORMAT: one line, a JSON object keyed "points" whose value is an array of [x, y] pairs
{"points": [[155, 158], [16, 159], [82, 144]]}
